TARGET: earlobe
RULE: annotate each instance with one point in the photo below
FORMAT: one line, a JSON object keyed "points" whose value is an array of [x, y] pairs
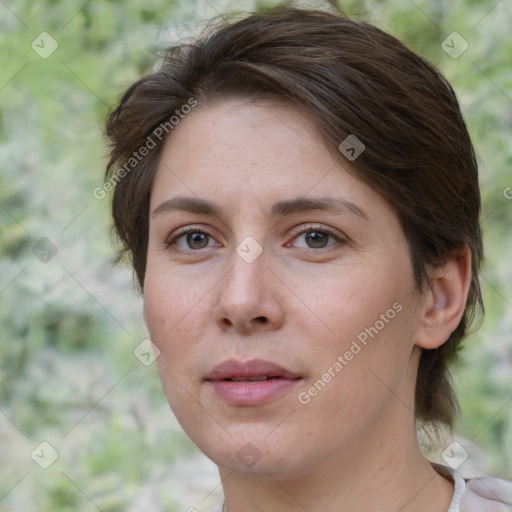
{"points": [[444, 303]]}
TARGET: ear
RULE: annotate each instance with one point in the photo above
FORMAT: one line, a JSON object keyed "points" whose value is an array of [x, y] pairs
{"points": [[444, 303]]}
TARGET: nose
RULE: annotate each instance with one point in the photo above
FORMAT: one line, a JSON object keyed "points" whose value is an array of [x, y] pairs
{"points": [[248, 298]]}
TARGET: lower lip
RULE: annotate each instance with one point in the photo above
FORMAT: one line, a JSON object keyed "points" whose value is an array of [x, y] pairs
{"points": [[252, 393]]}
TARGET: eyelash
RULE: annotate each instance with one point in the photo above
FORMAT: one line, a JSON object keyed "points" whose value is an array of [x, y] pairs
{"points": [[311, 228]]}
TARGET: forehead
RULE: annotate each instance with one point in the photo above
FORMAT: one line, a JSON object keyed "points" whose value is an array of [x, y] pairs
{"points": [[236, 138], [234, 131], [239, 147]]}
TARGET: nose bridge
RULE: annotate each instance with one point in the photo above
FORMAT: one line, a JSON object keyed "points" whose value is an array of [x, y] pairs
{"points": [[246, 295], [246, 267]]}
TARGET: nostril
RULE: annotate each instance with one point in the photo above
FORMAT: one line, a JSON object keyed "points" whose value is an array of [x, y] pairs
{"points": [[226, 322]]}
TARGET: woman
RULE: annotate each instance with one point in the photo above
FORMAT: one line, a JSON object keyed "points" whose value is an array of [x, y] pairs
{"points": [[299, 198]]}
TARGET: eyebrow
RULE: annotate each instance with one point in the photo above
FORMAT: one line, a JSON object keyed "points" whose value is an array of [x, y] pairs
{"points": [[340, 205]]}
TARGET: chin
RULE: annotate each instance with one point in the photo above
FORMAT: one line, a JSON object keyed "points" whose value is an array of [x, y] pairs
{"points": [[256, 456]]}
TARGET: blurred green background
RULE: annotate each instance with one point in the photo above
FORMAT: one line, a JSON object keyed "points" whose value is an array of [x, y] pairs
{"points": [[70, 321]]}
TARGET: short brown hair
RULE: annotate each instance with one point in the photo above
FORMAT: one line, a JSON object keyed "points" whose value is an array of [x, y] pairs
{"points": [[352, 79]]}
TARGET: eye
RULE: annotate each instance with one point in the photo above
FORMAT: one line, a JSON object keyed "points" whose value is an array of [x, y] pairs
{"points": [[191, 239], [317, 238], [314, 237]]}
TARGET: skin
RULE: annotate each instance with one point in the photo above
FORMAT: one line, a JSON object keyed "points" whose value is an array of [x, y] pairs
{"points": [[353, 446]]}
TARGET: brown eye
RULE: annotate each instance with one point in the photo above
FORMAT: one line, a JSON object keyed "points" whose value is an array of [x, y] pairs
{"points": [[191, 239], [316, 238], [197, 240]]}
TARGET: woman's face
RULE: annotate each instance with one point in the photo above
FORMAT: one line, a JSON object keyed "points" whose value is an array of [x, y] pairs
{"points": [[279, 291]]}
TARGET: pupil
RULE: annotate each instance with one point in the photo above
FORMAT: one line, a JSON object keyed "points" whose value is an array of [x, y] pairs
{"points": [[316, 239], [197, 240]]}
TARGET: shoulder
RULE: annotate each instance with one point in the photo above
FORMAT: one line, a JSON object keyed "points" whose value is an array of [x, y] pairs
{"points": [[219, 507], [487, 494], [482, 494]]}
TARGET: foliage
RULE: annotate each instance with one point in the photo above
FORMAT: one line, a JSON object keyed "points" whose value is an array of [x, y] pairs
{"points": [[69, 325]]}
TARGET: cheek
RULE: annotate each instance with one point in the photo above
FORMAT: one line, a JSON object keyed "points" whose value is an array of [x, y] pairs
{"points": [[168, 304], [157, 310], [351, 302], [176, 318], [169, 318], [354, 382], [367, 319]]}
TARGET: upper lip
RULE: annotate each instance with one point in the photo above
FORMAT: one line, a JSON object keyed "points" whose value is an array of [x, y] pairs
{"points": [[233, 369]]}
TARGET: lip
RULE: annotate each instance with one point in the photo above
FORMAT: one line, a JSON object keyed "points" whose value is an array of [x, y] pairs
{"points": [[246, 392]]}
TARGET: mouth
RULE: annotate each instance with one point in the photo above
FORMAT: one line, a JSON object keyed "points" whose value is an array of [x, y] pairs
{"points": [[252, 379], [253, 382], [253, 370]]}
